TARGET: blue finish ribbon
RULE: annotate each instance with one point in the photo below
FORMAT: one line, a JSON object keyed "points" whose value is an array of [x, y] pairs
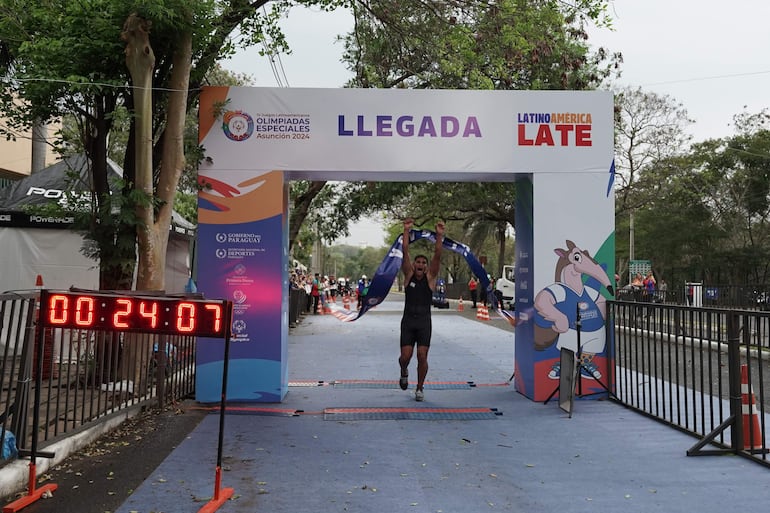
{"points": [[386, 273]]}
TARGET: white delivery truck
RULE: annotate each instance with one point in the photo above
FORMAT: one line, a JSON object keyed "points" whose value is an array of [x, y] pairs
{"points": [[505, 288]]}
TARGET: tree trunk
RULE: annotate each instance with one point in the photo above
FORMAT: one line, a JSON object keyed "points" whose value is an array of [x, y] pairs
{"points": [[140, 61], [152, 268], [301, 209], [39, 146]]}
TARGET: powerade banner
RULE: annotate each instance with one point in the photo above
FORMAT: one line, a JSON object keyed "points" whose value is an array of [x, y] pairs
{"points": [[386, 273]]}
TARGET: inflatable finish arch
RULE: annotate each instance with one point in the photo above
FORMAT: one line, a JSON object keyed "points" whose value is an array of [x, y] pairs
{"points": [[556, 145]]}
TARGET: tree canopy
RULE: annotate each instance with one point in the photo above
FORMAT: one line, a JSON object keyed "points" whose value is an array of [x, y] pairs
{"points": [[700, 211], [60, 57], [456, 44]]}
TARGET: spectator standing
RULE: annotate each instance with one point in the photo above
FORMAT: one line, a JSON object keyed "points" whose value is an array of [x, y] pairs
{"points": [[637, 287], [483, 292], [650, 286], [315, 292], [363, 284], [473, 286], [325, 290], [309, 292]]}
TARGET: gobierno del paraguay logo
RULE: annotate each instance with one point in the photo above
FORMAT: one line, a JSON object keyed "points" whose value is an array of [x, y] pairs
{"points": [[237, 125]]}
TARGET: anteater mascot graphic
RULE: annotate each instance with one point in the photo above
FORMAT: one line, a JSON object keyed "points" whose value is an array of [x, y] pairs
{"points": [[557, 305]]}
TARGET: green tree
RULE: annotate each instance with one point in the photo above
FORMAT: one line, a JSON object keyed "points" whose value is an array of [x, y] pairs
{"points": [[705, 215], [673, 224], [457, 44], [474, 45], [650, 129], [43, 79], [510, 44], [736, 187], [60, 57]]}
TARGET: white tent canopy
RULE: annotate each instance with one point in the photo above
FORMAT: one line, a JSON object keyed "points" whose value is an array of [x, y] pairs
{"points": [[32, 245]]}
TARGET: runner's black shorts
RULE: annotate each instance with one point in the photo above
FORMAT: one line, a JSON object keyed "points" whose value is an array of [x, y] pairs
{"points": [[415, 330]]}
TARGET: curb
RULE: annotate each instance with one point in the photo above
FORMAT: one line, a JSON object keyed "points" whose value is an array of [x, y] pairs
{"points": [[14, 476]]}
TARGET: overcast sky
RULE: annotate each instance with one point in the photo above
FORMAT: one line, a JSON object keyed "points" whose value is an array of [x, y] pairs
{"points": [[711, 56]]}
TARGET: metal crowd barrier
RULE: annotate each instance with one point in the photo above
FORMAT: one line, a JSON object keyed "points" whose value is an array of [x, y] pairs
{"points": [[300, 304], [84, 376], [704, 371]]}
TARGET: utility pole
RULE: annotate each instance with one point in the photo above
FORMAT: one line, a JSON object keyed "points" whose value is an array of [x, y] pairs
{"points": [[39, 149]]}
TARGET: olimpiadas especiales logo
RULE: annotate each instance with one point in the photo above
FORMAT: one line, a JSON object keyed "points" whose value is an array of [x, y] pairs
{"points": [[237, 125]]}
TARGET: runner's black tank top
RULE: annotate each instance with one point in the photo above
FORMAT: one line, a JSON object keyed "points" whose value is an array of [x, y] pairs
{"points": [[419, 297]]}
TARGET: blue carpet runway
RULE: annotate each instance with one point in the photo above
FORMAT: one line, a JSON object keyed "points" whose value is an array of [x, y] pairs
{"points": [[516, 455]]}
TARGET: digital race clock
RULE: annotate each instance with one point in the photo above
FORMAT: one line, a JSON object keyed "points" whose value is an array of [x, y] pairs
{"points": [[145, 314]]}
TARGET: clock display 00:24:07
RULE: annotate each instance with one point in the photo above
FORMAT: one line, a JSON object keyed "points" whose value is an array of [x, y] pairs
{"points": [[135, 313]]}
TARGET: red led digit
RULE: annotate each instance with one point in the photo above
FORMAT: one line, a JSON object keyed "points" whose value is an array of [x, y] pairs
{"points": [[185, 317], [149, 310], [57, 309], [143, 314], [84, 311], [122, 311], [217, 309]]}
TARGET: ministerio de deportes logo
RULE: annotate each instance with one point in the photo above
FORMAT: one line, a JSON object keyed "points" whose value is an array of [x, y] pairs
{"points": [[237, 125]]}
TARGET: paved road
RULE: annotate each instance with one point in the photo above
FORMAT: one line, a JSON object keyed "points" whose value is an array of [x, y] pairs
{"points": [[528, 457]]}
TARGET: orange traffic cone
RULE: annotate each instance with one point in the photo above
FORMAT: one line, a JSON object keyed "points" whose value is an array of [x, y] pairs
{"points": [[346, 302], [320, 309], [752, 433], [460, 307], [482, 314]]}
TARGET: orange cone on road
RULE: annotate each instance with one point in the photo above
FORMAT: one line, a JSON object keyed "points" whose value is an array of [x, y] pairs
{"points": [[346, 302], [460, 307], [752, 433], [482, 314]]}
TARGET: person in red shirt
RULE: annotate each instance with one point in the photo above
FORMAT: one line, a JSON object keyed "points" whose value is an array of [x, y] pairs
{"points": [[473, 286], [315, 292]]}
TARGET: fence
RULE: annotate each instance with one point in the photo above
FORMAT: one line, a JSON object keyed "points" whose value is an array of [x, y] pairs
{"points": [[298, 304], [701, 370], [696, 369], [755, 297], [80, 377]]}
